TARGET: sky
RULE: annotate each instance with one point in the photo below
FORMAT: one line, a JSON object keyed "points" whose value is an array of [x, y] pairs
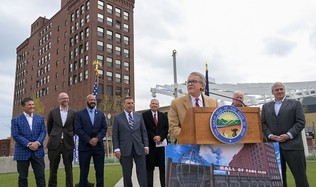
{"points": [[242, 41]]}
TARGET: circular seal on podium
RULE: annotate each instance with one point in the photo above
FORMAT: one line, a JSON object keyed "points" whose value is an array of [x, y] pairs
{"points": [[228, 124]]}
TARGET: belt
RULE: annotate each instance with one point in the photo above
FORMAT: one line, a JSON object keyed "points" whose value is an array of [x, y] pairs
{"points": [[62, 141]]}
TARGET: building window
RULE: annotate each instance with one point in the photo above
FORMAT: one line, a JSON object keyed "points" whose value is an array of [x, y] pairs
{"points": [[109, 62], [126, 92], [87, 46], [87, 18], [100, 31], [118, 38], [126, 66], [70, 81], [87, 60], [109, 35], [80, 76], [109, 8], [88, 5], [87, 32], [80, 62], [109, 21], [126, 79], [118, 64], [109, 90], [118, 24], [126, 27], [118, 91], [126, 53], [118, 77], [118, 51], [109, 48], [118, 12], [100, 45], [81, 35], [126, 40], [86, 74], [72, 17], [100, 18], [100, 5], [109, 76], [125, 15], [82, 9], [100, 58]]}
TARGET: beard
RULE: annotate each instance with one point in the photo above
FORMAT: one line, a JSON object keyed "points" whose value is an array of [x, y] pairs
{"points": [[91, 105]]}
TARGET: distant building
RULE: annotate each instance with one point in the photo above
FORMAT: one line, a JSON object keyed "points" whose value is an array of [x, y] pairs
{"points": [[5, 147], [59, 54]]}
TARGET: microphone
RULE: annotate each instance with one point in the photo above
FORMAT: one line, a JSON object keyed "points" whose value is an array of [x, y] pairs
{"points": [[242, 103]]}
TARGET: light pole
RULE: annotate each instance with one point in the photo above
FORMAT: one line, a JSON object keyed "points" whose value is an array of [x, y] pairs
{"points": [[174, 52]]}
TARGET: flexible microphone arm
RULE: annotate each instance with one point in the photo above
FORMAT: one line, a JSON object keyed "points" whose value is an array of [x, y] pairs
{"points": [[243, 104]]}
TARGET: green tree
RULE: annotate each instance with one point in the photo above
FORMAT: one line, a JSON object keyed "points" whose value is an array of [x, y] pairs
{"points": [[39, 107]]}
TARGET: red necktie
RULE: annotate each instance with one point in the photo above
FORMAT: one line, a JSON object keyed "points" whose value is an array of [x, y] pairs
{"points": [[197, 102], [155, 119]]}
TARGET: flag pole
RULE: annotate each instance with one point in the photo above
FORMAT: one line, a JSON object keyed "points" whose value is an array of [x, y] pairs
{"points": [[207, 89]]}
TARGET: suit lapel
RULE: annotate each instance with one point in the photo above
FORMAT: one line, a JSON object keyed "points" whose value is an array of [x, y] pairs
{"points": [[187, 102]]}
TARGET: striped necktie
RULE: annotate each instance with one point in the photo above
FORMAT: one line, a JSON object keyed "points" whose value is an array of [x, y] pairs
{"points": [[130, 121]]}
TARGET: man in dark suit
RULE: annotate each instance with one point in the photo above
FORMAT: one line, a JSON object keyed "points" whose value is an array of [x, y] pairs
{"points": [[60, 129], [130, 141], [282, 121], [29, 131], [157, 129], [91, 127]]}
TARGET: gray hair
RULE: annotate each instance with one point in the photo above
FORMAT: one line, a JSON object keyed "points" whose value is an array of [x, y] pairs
{"points": [[277, 84]]}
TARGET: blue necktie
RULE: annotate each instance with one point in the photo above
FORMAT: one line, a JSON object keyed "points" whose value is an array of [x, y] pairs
{"points": [[91, 114], [130, 121]]}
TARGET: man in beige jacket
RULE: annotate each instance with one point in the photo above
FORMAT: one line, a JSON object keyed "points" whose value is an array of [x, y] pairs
{"points": [[195, 98]]}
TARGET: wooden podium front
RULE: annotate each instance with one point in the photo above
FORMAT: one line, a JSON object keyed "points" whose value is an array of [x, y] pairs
{"points": [[196, 128]]}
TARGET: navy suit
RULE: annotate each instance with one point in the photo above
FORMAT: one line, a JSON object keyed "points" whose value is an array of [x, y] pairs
{"points": [[23, 135], [131, 143], [86, 131]]}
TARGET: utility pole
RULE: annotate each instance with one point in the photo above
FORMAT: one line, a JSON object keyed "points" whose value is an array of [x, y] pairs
{"points": [[174, 52]]}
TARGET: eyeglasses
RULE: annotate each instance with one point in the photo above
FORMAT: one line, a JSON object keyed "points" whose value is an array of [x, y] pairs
{"points": [[192, 82]]}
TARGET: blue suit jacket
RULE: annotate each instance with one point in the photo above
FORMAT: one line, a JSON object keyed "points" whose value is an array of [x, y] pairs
{"points": [[86, 131], [22, 134]]}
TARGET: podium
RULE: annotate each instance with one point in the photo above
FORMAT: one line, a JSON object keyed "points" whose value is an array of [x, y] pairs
{"points": [[196, 128]]}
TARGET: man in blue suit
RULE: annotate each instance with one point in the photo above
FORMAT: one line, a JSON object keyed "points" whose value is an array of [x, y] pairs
{"points": [[91, 127], [28, 130], [130, 142]]}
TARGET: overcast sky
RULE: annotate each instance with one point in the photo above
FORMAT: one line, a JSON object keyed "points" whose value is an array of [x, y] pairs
{"points": [[243, 41]]}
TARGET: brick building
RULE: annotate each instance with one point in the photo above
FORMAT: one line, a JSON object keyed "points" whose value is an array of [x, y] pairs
{"points": [[60, 52]]}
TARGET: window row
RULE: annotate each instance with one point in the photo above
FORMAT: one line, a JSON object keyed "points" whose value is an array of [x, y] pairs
{"points": [[118, 91], [43, 70], [45, 38], [75, 27], [80, 11], [109, 36], [78, 78], [45, 48], [109, 9], [118, 63], [79, 37], [109, 22], [44, 59], [42, 81], [42, 92]]}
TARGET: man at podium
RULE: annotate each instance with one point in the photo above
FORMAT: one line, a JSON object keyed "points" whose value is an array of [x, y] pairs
{"points": [[195, 98]]}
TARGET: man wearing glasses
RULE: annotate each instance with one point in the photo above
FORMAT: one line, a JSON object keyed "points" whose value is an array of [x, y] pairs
{"points": [[195, 98]]}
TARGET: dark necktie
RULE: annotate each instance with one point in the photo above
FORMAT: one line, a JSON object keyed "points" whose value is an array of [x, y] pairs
{"points": [[130, 121], [155, 119], [197, 102]]}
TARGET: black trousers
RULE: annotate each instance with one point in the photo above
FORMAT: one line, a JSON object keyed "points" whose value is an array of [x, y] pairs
{"points": [[54, 159], [38, 166]]}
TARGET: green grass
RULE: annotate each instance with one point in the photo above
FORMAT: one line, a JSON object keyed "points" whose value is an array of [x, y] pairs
{"points": [[310, 170], [112, 174]]}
